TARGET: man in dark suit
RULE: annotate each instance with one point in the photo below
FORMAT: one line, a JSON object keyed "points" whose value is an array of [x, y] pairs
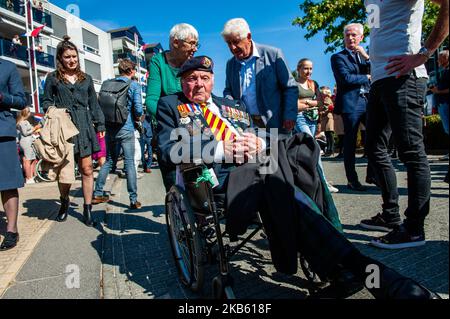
{"points": [[215, 126], [259, 75], [351, 70], [11, 176]]}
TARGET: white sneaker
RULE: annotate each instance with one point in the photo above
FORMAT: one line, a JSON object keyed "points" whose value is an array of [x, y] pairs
{"points": [[30, 181], [331, 188], [139, 175]]}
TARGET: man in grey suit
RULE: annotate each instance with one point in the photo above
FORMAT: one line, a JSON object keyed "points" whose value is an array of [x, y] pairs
{"points": [[260, 77]]}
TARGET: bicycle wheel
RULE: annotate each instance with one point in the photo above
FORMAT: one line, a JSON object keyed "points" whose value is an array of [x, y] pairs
{"points": [[42, 172]]}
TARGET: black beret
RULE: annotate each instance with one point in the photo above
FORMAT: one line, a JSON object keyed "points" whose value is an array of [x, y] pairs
{"points": [[198, 63]]}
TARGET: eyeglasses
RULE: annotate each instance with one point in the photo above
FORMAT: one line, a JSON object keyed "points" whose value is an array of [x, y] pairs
{"points": [[193, 44]]}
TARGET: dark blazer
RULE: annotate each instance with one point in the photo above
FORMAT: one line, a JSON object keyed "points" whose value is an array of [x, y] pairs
{"points": [[168, 118], [276, 89], [349, 78], [11, 96]]}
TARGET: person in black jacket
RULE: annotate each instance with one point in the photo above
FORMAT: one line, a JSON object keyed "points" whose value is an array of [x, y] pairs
{"points": [[70, 88], [11, 177], [299, 215]]}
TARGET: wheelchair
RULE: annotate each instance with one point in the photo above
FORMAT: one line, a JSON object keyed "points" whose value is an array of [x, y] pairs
{"points": [[193, 219]]}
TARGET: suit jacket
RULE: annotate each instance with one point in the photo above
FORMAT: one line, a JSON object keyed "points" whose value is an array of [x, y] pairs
{"points": [[175, 135], [276, 89], [12, 96], [349, 78]]}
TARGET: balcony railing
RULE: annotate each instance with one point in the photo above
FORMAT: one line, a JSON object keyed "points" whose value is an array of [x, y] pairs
{"points": [[39, 16], [20, 52], [117, 56]]}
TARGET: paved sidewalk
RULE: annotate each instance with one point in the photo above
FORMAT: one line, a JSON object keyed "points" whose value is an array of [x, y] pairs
{"points": [[37, 211], [128, 255], [138, 264]]}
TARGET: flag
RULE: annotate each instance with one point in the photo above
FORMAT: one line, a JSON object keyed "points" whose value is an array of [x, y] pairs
{"points": [[142, 48], [35, 32]]}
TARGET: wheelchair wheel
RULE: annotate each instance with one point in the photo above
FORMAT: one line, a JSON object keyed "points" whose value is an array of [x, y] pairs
{"points": [[185, 239], [42, 173]]}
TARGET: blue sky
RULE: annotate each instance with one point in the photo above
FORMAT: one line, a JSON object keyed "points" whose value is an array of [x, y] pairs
{"points": [[270, 23]]}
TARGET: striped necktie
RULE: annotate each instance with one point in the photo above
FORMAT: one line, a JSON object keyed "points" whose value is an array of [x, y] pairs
{"points": [[218, 127]]}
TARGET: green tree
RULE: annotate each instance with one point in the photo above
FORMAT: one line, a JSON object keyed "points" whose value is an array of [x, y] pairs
{"points": [[330, 16]]}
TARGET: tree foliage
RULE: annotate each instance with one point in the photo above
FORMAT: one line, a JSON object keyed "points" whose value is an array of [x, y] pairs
{"points": [[330, 16]]}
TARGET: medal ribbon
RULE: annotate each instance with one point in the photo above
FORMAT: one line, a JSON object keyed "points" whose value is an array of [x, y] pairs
{"points": [[218, 127]]}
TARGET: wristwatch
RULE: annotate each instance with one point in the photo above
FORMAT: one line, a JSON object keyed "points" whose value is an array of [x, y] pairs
{"points": [[425, 52]]}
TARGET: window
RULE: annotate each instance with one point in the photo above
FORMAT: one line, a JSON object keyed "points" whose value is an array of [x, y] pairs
{"points": [[51, 51], [59, 26], [93, 69], [90, 39]]}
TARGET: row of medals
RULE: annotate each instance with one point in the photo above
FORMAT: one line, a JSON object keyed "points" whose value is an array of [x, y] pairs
{"points": [[190, 110]]}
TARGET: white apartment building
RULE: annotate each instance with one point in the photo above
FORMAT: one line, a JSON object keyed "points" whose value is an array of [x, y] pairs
{"points": [[94, 44]]}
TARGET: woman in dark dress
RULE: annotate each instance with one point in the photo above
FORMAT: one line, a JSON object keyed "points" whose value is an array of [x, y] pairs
{"points": [[70, 88], [11, 176]]}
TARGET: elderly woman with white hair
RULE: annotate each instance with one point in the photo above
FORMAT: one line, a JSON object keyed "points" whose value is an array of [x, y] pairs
{"points": [[163, 78]]}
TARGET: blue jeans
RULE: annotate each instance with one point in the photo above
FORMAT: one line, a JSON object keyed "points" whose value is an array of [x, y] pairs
{"points": [[146, 163], [443, 113], [305, 125], [395, 107], [126, 139]]}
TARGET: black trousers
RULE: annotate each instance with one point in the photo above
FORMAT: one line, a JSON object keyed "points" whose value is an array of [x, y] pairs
{"points": [[395, 107]]}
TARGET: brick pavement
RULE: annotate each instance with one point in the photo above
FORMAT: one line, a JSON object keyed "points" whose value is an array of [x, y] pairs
{"points": [[138, 263], [37, 211]]}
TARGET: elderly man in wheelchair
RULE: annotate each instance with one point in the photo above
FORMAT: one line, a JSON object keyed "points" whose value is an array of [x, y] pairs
{"points": [[226, 171]]}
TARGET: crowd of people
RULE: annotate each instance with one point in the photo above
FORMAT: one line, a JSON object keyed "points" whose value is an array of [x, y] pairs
{"points": [[384, 91]]}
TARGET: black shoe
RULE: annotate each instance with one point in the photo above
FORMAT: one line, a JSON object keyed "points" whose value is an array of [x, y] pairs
{"points": [[399, 238], [87, 215], [356, 186], [340, 156], [10, 241], [377, 223], [343, 284], [396, 286], [63, 210]]}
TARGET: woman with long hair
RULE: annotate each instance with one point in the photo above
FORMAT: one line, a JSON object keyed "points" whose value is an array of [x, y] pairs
{"points": [[72, 89], [26, 131], [310, 100], [163, 79]]}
